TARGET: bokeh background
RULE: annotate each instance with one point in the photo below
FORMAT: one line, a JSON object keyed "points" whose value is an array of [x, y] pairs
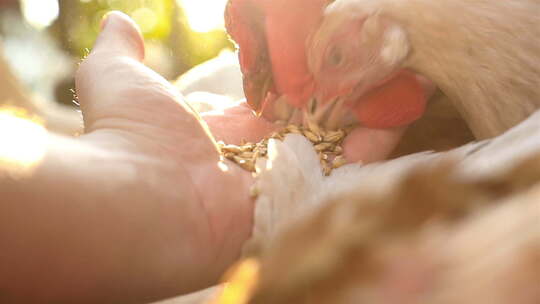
{"points": [[44, 40]]}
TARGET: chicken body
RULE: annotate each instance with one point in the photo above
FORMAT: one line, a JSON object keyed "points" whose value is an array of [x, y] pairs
{"points": [[484, 55], [454, 227]]}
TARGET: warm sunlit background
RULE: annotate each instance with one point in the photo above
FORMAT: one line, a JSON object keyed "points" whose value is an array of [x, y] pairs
{"points": [[43, 40]]}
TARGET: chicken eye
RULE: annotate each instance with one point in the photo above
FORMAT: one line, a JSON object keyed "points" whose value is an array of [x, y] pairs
{"points": [[335, 57]]}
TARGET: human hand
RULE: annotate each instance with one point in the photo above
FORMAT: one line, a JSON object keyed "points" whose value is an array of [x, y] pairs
{"points": [[130, 109]]}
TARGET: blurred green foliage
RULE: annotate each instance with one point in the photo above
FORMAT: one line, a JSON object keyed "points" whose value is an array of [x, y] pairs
{"points": [[83, 19], [162, 22]]}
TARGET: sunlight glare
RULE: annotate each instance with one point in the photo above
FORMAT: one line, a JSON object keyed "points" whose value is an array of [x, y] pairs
{"points": [[40, 13], [146, 19], [241, 283], [22, 142], [204, 15]]}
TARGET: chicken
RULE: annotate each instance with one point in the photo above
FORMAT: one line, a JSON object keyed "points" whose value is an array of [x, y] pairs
{"points": [[484, 55], [271, 36], [422, 228], [410, 246], [291, 183], [455, 227]]}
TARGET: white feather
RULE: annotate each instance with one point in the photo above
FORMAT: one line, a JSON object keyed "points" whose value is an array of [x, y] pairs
{"points": [[292, 186]]}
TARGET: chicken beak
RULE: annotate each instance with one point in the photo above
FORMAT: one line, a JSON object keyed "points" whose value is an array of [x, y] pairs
{"points": [[329, 95], [256, 91]]}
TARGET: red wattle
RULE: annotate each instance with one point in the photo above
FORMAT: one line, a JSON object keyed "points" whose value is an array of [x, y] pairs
{"points": [[398, 102]]}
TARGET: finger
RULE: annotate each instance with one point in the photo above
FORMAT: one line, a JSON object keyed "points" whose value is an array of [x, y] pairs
{"points": [[117, 51], [120, 36]]}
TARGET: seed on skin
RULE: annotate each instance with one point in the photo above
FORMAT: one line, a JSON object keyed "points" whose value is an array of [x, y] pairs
{"points": [[312, 137], [244, 149], [323, 146], [338, 162], [293, 129], [248, 166], [334, 136], [247, 154], [245, 163], [239, 159], [276, 135], [254, 191], [231, 148], [326, 144], [229, 155]]}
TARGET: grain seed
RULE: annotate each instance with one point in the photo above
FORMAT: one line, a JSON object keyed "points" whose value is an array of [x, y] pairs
{"points": [[231, 149], [293, 129], [326, 143], [312, 137], [334, 136], [338, 162], [323, 147]]}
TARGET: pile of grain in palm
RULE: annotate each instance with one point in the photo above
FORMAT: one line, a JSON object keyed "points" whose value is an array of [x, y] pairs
{"points": [[326, 143]]}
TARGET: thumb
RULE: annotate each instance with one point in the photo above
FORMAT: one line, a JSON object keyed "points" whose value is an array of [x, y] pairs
{"points": [[105, 75], [117, 92], [120, 36], [114, 88]]}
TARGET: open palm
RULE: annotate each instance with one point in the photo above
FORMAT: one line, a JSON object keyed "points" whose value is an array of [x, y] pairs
{"points": [[131, 110]]}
